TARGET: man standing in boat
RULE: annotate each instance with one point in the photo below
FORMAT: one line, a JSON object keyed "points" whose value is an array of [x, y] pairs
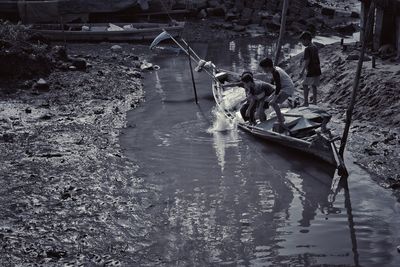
{"points": [[257, 93], [312, 65], [284, 87]]}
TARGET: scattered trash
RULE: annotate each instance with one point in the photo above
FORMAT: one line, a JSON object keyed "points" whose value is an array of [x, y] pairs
{"points": [[85, 28], [114, 28], [148, 66], [129, 27], [204, 64]]}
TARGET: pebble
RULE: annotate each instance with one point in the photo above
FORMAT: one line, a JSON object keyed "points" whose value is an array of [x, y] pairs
{"points": [[116, 48], [41, 84]]}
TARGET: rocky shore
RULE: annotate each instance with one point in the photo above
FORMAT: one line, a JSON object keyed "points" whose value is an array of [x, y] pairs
{"points": [[233, 19]]}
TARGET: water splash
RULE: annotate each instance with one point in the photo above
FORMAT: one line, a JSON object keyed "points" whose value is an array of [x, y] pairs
{"points": [[221, 123]]}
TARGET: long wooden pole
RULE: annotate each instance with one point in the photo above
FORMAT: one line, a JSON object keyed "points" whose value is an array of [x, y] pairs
{"points": [[349, 113], [191, 73], [350, 220], [282, 31]]}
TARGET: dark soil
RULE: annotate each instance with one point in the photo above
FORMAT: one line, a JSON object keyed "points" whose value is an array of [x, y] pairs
{"points": [[68, 194]]}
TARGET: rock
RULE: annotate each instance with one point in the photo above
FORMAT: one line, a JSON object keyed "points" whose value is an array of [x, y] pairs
{"points": [[8, 137], [346, 29], [398, 249], [215, 11], [297, 27], [256, 19], [355, 15], [230, 16], [247, 14], [213, 3], [328, 11], [239, 28], [258, 4], [135, 73], [239, 4], [133, 57], [28, 110], [149, 66], [276, 19], [244, 22], [42, 85], [357, 57], [60, 52], [202, 14], [227, 26], [47, 116], [72, 68], [79, 63], [371, 151], [116, 48]]}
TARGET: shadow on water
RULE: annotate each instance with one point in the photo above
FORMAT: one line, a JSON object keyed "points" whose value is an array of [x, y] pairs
{"points": [[226, 198]]}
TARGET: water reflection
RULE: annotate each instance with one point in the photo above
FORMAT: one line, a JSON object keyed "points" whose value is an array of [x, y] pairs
{"points": [[228, 199]]}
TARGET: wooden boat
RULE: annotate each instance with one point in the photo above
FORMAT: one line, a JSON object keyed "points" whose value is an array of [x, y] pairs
{"points": [[98, 32], [307, 125]]}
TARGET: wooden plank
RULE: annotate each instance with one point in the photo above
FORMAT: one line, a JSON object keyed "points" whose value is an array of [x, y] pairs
{"points": [[398, 36], [378, 28]]}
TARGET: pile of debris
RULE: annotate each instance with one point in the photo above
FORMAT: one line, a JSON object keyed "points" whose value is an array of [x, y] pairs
{"points": [[302, 15]]}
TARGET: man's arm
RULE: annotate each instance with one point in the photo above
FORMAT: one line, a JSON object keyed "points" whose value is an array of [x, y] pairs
{"points": [[306, 61], [277, 79], [233, 84], [252, 101]]}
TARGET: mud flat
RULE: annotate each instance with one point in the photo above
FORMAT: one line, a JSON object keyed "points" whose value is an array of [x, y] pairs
{"points": [[68, 195], [375, 132]]}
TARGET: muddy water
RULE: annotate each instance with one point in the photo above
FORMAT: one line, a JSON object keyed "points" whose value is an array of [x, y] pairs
{"points": [[226, 198]]}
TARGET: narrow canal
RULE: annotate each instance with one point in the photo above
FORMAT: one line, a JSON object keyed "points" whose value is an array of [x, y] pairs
{"points": [[226, 198]]}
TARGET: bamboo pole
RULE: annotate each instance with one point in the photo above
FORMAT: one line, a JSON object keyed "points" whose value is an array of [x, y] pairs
{"points": [[350, 109], [282, 31], [191, 73]]}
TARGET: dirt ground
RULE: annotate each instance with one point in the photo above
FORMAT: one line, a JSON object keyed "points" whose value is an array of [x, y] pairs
{"points": [[68, 194], [375, 133]]}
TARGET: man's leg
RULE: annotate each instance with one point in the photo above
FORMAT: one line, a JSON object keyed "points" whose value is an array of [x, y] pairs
{"points": [[253, 114], [314, 87], [278, 112], [261, 111], [243, 111], [305, 90]]}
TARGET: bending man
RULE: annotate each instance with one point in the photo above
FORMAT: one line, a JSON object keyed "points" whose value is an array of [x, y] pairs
{"points": [[284, 87], [257, 93]]}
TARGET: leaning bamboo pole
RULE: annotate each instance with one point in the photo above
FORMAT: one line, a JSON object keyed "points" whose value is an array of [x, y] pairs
{"points": [[282, 31], [349, 113]]}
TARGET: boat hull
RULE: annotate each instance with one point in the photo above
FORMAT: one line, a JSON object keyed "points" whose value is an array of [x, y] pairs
{"points": [[323, 150], [148, 32]]}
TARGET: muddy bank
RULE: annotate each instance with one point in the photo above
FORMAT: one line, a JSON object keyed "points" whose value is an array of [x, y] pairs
{"points": [[68, 194], [375, 133]]}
